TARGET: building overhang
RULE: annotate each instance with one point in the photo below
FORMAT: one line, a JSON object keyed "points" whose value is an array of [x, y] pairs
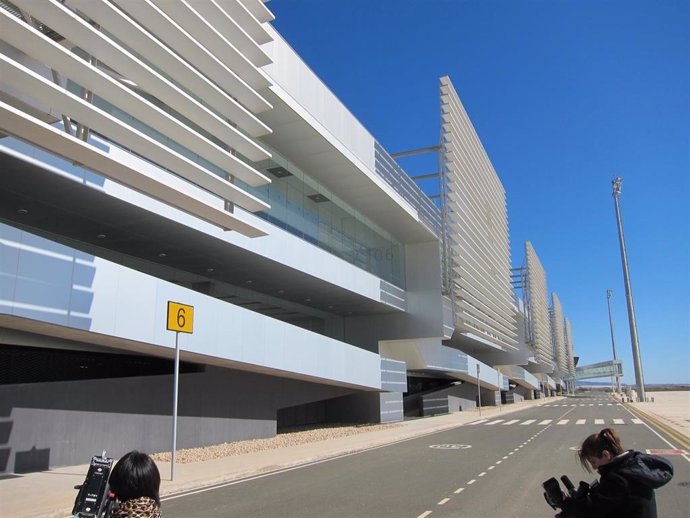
{"points": [[300, 138], [428, 357]]}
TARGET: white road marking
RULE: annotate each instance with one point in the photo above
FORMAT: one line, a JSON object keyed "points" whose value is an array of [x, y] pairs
{"points": [[581, 421], [529, 421], [424, 514], [494, 422], [491, 467], [459, 490], [598, 421], [546, 421], [471, 481], [637, 421], [498, 461], [482, 473], [477, 422], [443, 501], [618, 421], [510, 422], [563, 421]]}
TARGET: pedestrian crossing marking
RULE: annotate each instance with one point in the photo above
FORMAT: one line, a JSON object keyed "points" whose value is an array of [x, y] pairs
{"points": [[560, 422]]}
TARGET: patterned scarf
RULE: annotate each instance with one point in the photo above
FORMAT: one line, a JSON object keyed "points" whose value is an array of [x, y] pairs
{"points": [[142, 507]]}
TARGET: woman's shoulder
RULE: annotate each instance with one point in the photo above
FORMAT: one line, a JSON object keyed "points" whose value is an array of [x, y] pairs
{"points": [[143, 507]]}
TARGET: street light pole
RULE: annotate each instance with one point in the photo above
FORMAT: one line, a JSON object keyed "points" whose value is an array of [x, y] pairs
{"points": [[479, 392], [609, 293], [639, 378]]}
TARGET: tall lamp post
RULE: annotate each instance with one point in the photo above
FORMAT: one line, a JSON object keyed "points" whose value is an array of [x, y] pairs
{"points": [[639, 378], [613, 341]]}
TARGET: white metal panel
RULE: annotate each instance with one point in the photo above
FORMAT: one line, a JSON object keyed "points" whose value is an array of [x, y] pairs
{"points": [[179, 40], [309, 95], [478, 229], [65, 21], [62, 101], [245, 18], [139, 39], [38, 133], [256, 7], [216, 44], [58, 58], [538, 307], [231, 30]]}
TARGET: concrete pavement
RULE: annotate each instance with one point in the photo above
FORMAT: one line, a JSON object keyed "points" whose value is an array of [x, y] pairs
{"points": [[50, 494]]}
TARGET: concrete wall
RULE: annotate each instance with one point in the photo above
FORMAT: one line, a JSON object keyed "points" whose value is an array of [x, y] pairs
{"points": [[48, 282], [64, 423], [524, 392], [424, 317]]}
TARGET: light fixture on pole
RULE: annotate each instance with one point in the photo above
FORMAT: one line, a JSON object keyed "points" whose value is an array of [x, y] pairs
{"points": [[639, 378], [609, 293]]}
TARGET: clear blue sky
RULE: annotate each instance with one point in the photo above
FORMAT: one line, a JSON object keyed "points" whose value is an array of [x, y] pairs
{"points": [[564, 95]]}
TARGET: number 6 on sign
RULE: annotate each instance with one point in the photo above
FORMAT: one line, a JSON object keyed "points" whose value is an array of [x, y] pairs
{"points": [[180, 317]]}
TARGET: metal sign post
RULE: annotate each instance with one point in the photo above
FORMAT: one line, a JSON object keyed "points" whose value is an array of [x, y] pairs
{"points": [[479, 393], [181, 320]]}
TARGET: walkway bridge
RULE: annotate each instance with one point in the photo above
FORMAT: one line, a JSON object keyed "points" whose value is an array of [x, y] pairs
{"points": [[597, 370]]}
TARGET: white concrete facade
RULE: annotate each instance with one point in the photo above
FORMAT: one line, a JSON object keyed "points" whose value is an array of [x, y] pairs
{"points": [[155, 151]]}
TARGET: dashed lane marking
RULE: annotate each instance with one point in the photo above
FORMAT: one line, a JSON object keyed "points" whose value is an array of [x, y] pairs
{"points": [[443, 501]]}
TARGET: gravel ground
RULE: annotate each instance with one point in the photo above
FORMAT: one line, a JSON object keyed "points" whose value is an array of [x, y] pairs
{"points": [[287, 437]]}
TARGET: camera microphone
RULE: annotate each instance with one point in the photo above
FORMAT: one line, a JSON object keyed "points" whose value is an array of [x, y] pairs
{"points": [[568, 485]]}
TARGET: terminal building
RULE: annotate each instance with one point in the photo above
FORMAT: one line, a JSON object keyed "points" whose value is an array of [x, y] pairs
{"points": [[156, 152]]}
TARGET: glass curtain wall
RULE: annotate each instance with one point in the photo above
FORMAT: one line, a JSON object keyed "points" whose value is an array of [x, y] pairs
{"points": [[299, 204], [305, 208]]}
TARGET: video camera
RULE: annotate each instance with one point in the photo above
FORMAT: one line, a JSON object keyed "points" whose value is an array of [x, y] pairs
{"points": [[94, 499], [555, 497]]}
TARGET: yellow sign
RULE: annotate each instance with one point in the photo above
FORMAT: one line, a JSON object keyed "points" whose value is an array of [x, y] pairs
{"points": [[180, 317]]}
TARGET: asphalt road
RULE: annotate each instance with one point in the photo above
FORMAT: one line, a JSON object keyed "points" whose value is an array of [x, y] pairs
{"points": [[490, 468]]}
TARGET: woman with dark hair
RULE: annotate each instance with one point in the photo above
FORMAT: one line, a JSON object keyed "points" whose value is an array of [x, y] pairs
{"points": [[627, 483], [135, 481]]}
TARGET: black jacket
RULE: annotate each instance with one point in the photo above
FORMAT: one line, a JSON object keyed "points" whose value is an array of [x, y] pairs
{"points": [[625, 489]]}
